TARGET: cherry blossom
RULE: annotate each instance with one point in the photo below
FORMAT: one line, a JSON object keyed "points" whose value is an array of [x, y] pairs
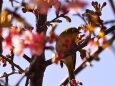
{"points": [[34, 41], [18, 40]]}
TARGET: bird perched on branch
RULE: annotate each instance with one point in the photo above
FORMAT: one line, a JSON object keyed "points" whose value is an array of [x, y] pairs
{"points": [[64, 44]]}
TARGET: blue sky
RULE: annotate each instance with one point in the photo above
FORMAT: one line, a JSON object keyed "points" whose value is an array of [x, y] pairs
{"points": [[101, 74]]}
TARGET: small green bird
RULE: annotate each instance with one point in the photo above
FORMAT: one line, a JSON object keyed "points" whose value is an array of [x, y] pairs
{"points": [[64, 44]]}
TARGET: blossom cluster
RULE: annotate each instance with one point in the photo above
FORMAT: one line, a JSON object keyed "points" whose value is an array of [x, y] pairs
{"points": [[42, 6], [19, 40]]}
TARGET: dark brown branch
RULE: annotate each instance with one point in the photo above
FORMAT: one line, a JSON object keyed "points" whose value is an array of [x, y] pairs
{"points": [[41, 21], [109, 22], [17, 66], [8, 74], [110, 30], [12, 58], [6, 79], [47, 23], [28, 71], [27, 58], [38, 68], [48, 62], [27, 81]]}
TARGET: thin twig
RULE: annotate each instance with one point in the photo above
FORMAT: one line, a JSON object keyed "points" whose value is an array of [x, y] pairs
{"points": [[8, 74], [17, 66], [12, 58], [109, 22], [81, 18], [6, 79], [27, 58], [48, 62], [20, 80], [27, 81], [112, 5]]}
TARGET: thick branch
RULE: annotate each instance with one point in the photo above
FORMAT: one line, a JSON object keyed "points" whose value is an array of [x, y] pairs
{"points": [[39, 67], [37, 71], [41, 23]]}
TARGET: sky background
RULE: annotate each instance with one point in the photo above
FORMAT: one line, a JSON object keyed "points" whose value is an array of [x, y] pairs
{"points": [[101, 74]]}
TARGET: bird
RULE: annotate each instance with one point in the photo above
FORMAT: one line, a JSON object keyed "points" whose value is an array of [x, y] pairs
{"points": [[66, 41]]}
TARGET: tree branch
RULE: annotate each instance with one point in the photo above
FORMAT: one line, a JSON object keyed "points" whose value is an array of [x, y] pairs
{"points": [[17, 66], [38, 68], [6, 79], [8, 74], [27, 81], [48, 62], [108, 22], [27, 58], [12, 58]]}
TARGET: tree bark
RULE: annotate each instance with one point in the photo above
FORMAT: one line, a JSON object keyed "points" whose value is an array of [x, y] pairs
{"points": [[39, 65]]}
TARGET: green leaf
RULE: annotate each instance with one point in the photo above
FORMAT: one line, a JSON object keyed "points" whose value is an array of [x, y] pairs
{"points": [[68, 19], [57, 20]]}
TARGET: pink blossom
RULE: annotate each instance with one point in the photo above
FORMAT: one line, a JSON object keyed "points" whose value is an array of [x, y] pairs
{"points": [[18, 45], [73, 6], [45, 5], [35, 42], [7, 43], [90, 44], [14, 30], [18, 41], [53, 37], [73, 82]]}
